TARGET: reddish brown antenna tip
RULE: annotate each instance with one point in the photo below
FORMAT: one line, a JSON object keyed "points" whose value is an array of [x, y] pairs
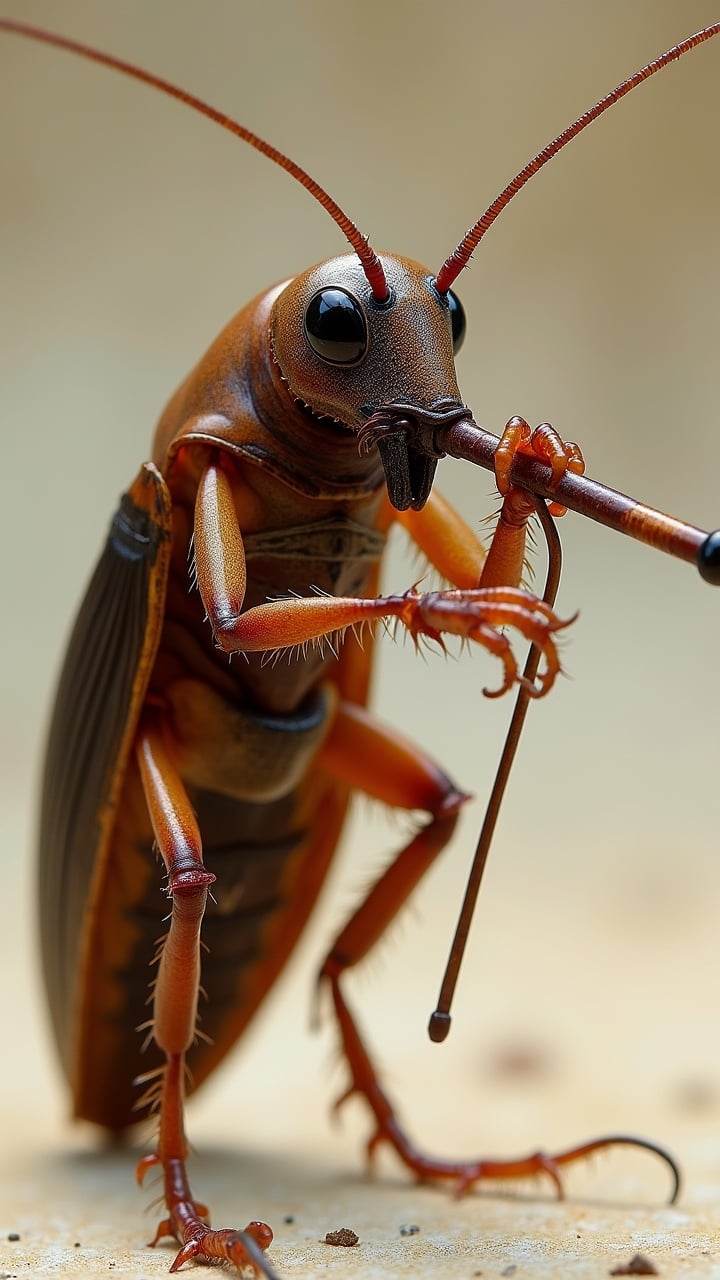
{"points": [[460, 256], [368, 258]]}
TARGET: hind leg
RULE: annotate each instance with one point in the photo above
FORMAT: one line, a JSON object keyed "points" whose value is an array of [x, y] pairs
{"points": [[372, 758]]}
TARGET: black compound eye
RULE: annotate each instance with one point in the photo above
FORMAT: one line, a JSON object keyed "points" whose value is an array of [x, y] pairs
{"points": [[457, 320], [336, 327]]}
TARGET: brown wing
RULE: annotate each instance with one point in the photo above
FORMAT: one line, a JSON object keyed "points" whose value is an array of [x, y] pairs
{"points": [[100, 694]]}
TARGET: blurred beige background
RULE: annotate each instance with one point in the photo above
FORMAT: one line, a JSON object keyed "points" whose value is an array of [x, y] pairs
{"points": [[590, 1001]]}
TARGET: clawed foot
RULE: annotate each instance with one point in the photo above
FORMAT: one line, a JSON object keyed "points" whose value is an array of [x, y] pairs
{"points": [[543, 443], [244, 1249], [479, 615], [187, 1222]]}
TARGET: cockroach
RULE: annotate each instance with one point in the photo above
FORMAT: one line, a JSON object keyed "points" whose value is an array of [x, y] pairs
{"points": [[314, 422]]}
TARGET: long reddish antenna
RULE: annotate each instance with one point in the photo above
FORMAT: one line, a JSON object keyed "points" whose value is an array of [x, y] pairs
{"points": [[460, 256], [370, 262]]}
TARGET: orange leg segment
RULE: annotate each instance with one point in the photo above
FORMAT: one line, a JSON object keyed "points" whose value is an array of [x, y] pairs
{"points": [[175, 1011], [375, 760], [472, 614], [453, 548], [379, 762], [506, 557]]}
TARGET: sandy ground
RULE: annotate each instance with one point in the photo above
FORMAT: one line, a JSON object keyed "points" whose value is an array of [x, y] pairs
{"points": [[549, 1061]]}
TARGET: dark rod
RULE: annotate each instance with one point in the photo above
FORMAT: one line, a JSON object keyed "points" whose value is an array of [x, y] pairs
{"points": [[439, 1024]]}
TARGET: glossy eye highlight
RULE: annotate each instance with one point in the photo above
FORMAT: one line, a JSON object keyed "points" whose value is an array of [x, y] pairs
{"points": [[336, 327]]}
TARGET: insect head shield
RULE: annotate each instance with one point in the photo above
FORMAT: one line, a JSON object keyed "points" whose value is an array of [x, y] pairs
{"points": [[385, 369]]}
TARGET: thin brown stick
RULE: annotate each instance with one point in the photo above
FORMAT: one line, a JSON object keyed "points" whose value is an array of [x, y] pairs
{"points": [[439, 1024]]}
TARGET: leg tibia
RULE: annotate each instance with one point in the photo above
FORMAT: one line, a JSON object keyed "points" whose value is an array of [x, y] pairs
{"points": [[175, 1011], [178, 839], [506, 557]]}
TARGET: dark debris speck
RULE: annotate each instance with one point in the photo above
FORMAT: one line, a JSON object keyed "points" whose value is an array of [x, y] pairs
{"points": [[638, 1265], [409, 1229], [343, 1239]]}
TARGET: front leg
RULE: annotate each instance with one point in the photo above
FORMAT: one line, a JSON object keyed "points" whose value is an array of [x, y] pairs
{"points": [[477, 614]]}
